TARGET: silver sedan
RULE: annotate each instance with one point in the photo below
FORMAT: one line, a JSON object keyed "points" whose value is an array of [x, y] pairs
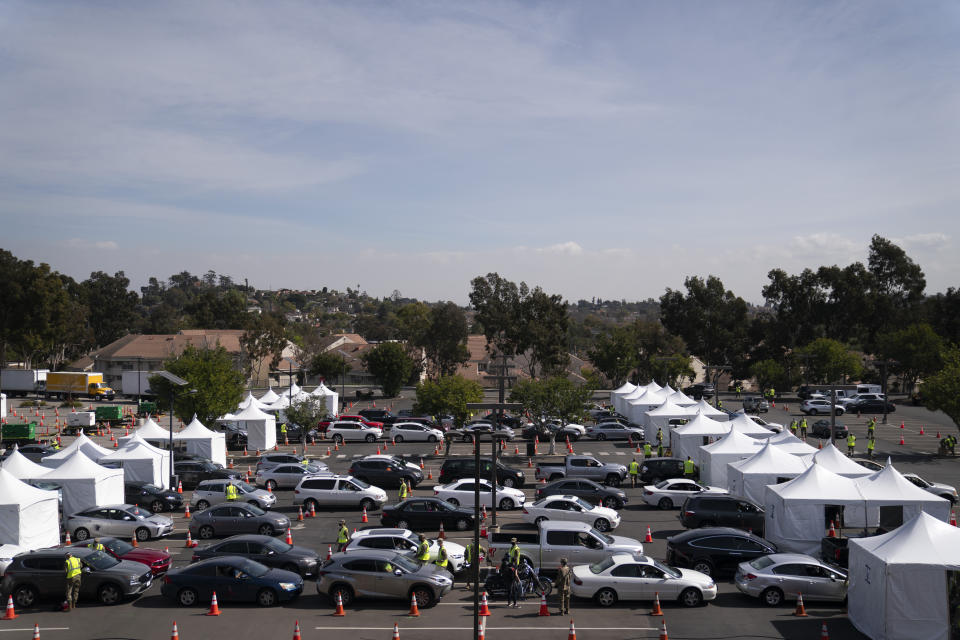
{"points": [[781, 576], [287, 476], [120, 521]]}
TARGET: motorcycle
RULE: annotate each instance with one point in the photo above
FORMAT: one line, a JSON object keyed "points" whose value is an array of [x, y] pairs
{"points": [[532, 584]]}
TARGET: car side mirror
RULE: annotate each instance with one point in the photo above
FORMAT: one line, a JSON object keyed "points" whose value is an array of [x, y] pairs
{"points": [[397, 572]]}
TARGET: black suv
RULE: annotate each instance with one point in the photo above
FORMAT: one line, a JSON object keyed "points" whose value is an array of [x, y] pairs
{"points": [[821, 429], [150, 496], [653, 470], [610, 497], [872, 406], [192, 472], [715, 550], [378, 415], [701, 390], [384, 473], [456, 468], [723, 511]]}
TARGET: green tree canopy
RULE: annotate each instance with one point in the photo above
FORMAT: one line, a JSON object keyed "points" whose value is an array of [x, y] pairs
{"points": [[917, 350], [941, 391], [329, 365], [831, 361], [211, 372], [112, 306], [307, 412], [448, 395], [645, 349], [551, 398], [390, 366], [711, 319]]}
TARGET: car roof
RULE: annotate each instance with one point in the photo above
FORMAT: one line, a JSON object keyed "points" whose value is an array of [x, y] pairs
{"points": [[245, 537], [381, 532], [364, 552], [784, 558], [575, 479], [564, 524], [714, 531]]}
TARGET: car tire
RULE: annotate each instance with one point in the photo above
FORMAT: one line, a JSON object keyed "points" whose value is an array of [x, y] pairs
{"points": [[267, 598], [142, 534], [601, 524], [613, 480], [368, 504], [345, 593], [540, 519], [370, 437], [424, 596], [703, 566], [606, 597], [25, 596], [202, 504], [601, 436], [461, 524], [507, 504], [109, 594], [466, 438], [453, 501], [772, 597], [187, 597], [81, 534], [311, 503], [398, 439], [611, 502], [665, 503], [205, 532], [338, 438], [812, 412], [156, 506], [691, 597], [510, 483], [429, 439], [266, 530], [403, 524]]}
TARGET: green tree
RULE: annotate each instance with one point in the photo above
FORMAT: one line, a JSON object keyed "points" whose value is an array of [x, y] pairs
{"points": [[612, 354], [263, 343], [212, 309], [448, 395], [551, 398], [769, 374], [390, 366], [307, 412], [329, 365], [496, 302], [941, 391], [445, 341], [211, 372], [111, 305], [643, 348], [831, 361], [916, 349], [711, 319]]}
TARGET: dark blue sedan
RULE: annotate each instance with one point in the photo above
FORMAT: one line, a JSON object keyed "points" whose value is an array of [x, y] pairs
{"points": [[235, 579]]}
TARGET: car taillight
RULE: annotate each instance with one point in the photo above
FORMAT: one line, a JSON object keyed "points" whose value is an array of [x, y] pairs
{"points": [[525, 510], [296, 491], [195, 557], [435, 492], [577, 581], [648, 493], [689, 513], [750, 576]]}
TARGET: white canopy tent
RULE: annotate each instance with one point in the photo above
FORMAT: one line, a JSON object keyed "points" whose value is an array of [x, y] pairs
{"points": [[638, 391], [715, 457], [269, 397], [261, 428], [799, 512], [741, 422], [771, 465], [888, 488], [687, 439], [663, 414], [710, 411], [900, 581], [90, 449], [284, 401], [329, 396], [29, 517], [667, 390], [617, 394], [142, 462], [22, 467], [682, 399], [637, 408], [86, 484], [149, 431], [250, 400], [831, 459], [786, 441], [203, 442]]}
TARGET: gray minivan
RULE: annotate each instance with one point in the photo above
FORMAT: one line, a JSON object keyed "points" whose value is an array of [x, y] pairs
{"points": [[331, 490]]}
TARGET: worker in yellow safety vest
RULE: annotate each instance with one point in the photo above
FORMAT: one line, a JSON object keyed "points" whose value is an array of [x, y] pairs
{"points": [[423, 551], [343, 535], [441, 559], [74, 569], [689, 469], [230, 491], [404, 491], [851, 444], [634, 470]]}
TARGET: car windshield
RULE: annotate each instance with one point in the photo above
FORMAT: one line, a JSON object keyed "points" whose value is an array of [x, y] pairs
{"points": [[119, 547], [405, 563], [761, 563], [603, 565], [273, 544], [670, 571], [662, 484], [584, 504], [140, 513], [152, 488], [360, 483], [246, 488], [252, 568], [602, 536], [255, 510], [313, 468], [98, 561]]}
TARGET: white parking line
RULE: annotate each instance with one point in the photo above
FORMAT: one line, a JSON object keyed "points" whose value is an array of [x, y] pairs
{"points": [[41, 629], [619, 453], [563, 628], [603, 453], [341, 456]]}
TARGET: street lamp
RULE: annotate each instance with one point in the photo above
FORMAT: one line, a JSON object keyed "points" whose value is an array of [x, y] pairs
{"points": [[175, 383]]}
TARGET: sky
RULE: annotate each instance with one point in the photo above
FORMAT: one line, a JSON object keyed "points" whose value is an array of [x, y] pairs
{"points": [[596, 148]]}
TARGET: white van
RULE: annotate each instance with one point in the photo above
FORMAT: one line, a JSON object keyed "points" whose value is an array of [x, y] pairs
{"points": [[869, 388]]}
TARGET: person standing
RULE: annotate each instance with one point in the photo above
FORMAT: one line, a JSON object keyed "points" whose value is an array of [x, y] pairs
{"points": [[871, 443], [513, 594], [283, 431], [563, 586], [689, 469], [423, 550], [793, 426], [441, 560], [96, 545], [343, 536], [473, 557], [659, 437], [660, 450], [404, 491], [851, 444], [647, 450], [74, 570], [230, 492], [871, 427], [634, 469], [803, 428], [514, 552]]}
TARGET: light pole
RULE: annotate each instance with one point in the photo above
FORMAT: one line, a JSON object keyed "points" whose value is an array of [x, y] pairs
{"points": [[175, 383]]}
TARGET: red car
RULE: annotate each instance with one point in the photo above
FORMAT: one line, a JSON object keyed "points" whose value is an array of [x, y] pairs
{"points": [[370, 423], [158, 561]]}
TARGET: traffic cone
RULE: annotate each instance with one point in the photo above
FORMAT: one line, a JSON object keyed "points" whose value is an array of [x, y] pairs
{"points": [[441, 535], [328, 452], [186, 512], [649, 537], [657, 611], [300, 515], [544, 611], [484, 609], [663, 630], [36, 631], [11, 612], [115, 444], [953, 518], [339, 611], [231, 464], [269, 490], [543, 479], [831, 533], [313, 510], [429, 473], [363, 518], [823, 632], [938, 435], [481, 630], [516, 449], [296, 631], [573, 632], [174, 635], [529, 462], [179, 486], [483, 512], [800, 612], [336, 446], [245, 454], [189, 544], [421, 463], [329, 552], [921, 429], [133, 541], [214, 608], [483, 529], [378, 449], [67, 541], [901, 441], [289, 539], [901, 424], [414, 611], [639, 450]]}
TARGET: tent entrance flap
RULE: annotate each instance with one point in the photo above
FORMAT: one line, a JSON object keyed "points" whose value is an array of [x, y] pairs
{"points": [[832, 514], [891, 517]]}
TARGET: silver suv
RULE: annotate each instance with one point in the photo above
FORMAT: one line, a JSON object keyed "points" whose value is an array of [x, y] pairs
{"points": [[331, 490], [353, 431], [287, 476], [382, 574], [210, 492]]}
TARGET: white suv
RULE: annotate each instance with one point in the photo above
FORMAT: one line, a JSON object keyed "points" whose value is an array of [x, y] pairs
{"points": [[815, 407], [344, 430], [329, 490]]}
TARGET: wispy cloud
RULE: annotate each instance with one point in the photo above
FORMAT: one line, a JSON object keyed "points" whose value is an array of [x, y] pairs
{"points": [[823, 244], [86, 243], [933, 240], [569, 248]]}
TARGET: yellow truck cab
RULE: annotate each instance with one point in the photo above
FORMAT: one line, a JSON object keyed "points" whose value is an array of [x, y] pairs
{"points": [[64, 384]]}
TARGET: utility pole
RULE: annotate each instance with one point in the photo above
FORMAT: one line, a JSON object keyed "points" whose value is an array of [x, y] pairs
{"points": [[883, 382], [501, 375]]}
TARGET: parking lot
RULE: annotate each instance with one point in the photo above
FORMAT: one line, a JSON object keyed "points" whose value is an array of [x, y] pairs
{"points": [[731, 615]]}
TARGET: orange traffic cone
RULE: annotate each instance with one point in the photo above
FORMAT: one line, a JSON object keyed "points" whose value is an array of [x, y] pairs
{"points": [[421, 463], [186, 512], [36, 631], [269, 490], [300, 514], [214, 608], [573, 632], [245, 454], [67, 540], [441, 535], [663, 630], [429, 473], [921, 430], [414, 611], [378, 449], [901, 424], [396, 631], [179, 486], [363, 518], [11, 612], [800, 612], [481, 631], [336, 446], [657, 611], [544, 611], [649, 537], [174, 635], [483, 512], [901, 440], [133, 542], [296, 631], [289, 539], [483, 529], [313, 510], [953, 518], [328, 452], [516, 449], [329, 552], [639, 450], [823, 632], [831, 533], [529, 462], [339, 611], [189, 544], [115, 445], [484, 609]]}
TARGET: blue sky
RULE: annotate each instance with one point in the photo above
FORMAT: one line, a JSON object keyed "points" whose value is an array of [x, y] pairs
{"points": [[593, 148]]}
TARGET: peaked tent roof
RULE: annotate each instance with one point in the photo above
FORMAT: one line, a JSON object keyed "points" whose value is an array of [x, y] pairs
{"points": [[269, 397], [701, 425], [818, 484], [635, 394], [669, 408], [681, 399], [709, 410], [651, 398], [195, 431], [78, 465], [90, 448], [249, 399], [889, 485], [16, 491], [831, 459], [652, 386], [668, 390], [733, 442], [135, 450], [772, 459], [322, 391], [786, 441], [922, 540], [150, 430], [741, 422], [251, 413], [23, 467], [624, 389]]}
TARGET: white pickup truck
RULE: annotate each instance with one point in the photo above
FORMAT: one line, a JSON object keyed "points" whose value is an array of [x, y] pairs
{"points": [[578, 542]]}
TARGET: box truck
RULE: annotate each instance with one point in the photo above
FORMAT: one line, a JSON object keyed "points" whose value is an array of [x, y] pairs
{"points": [[66, 384], [136, 383], [20, 382]]}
